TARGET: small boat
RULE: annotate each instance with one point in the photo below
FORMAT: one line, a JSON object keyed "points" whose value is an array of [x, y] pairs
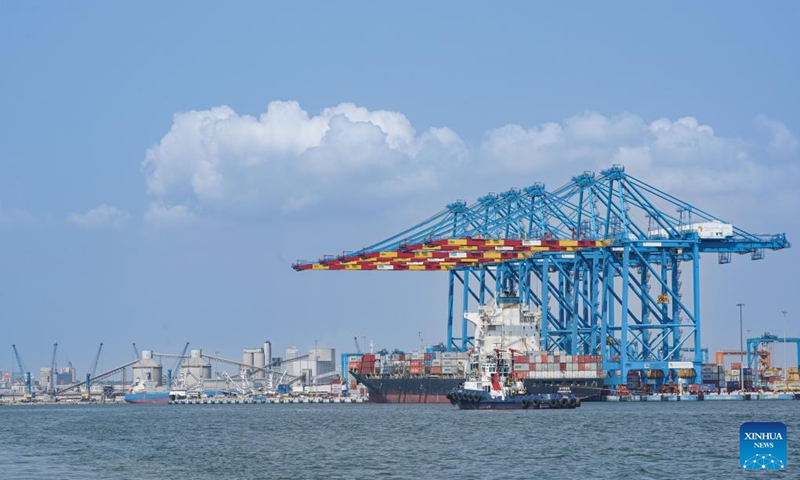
{"points": [[494, 389]]}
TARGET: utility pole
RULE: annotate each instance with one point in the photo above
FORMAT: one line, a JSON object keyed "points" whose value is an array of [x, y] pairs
{"points": [[785, 363], [741, 348]]}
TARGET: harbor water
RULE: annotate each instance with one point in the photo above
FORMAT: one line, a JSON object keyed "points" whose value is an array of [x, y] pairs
{"points": [[639, 440]]}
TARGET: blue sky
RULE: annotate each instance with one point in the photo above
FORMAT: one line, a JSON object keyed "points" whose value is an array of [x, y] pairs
{"points": [[163, 165]]}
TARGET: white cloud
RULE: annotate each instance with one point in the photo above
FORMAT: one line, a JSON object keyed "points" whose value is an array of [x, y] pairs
{"points": [[104, 216], [286, 159], [591, 140], [673, 151], [161, 215], [782, 142]]}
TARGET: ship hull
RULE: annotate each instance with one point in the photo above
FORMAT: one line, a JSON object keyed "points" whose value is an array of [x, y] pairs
{"points": [[477, 400], [391, 389], [147, 398]]}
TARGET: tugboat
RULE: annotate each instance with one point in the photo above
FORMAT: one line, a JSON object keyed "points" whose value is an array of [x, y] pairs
{"points": [[494, 389]]}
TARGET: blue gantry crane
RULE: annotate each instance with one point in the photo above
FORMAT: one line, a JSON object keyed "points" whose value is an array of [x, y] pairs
{"points": [[754, 343], [600, 257]]}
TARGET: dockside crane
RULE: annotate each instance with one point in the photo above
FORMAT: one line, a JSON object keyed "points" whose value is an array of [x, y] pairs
{"points": [[599, 257], [25, 376], [176, 369], [20, 365], [135, 351]]}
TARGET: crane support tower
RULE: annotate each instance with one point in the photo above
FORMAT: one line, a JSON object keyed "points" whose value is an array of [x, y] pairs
{"points": [[601, 257]]}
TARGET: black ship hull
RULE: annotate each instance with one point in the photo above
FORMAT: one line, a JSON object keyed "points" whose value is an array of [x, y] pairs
{"points": [[393, 389]]}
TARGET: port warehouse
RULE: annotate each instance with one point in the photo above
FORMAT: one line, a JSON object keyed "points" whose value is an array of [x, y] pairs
{"points": [[602, 257]]}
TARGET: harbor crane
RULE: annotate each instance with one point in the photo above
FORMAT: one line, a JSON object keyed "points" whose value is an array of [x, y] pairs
{"points": [[171, 374], [20, 365], [135, 351], [754, 343], [355, 340], [599, 257]]}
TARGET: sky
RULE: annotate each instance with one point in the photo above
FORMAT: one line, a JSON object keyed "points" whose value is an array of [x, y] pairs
{"points": [[163, 165]]}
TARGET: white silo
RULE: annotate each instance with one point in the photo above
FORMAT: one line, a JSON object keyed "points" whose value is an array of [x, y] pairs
{"points": [[196, 367], [147, 368]]}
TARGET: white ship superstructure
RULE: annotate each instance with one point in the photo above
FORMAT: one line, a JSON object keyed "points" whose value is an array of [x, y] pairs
{"points": [[506, 324]]}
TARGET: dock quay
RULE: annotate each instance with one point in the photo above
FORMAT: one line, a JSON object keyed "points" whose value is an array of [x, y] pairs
{"points": [[723, 397], [264, 400]]}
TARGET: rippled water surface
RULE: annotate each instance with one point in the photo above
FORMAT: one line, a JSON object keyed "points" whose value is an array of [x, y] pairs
{"points": [[599, 440]]}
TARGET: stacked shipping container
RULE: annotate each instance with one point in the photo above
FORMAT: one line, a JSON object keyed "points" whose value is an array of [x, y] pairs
{"points": [[539, 366]]}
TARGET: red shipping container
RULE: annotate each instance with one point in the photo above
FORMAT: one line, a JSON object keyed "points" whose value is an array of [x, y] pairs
{"points": [[520, 359], [368, 357], [427, 356]]}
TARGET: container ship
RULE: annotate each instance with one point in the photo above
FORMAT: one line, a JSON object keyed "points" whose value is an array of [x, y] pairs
{"points": [[503, 326]]}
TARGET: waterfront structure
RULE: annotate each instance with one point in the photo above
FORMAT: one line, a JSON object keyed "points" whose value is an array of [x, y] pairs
{"points": [[600, 257]]}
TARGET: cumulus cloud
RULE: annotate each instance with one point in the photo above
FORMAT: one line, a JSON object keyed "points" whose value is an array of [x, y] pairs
{"points": [[683, 157], [286, 159], [104, 216], [592, 140], [161, 215]]}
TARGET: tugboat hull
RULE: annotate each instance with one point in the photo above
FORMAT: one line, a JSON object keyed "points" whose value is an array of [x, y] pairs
{"points": [[478, 400]]}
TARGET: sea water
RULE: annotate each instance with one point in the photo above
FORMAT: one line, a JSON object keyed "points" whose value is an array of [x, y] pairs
{"points": [[298, 441]]}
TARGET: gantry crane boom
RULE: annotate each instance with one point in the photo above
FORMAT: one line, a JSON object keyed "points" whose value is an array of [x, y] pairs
{"points": [[179, 361], [19, 361]]}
